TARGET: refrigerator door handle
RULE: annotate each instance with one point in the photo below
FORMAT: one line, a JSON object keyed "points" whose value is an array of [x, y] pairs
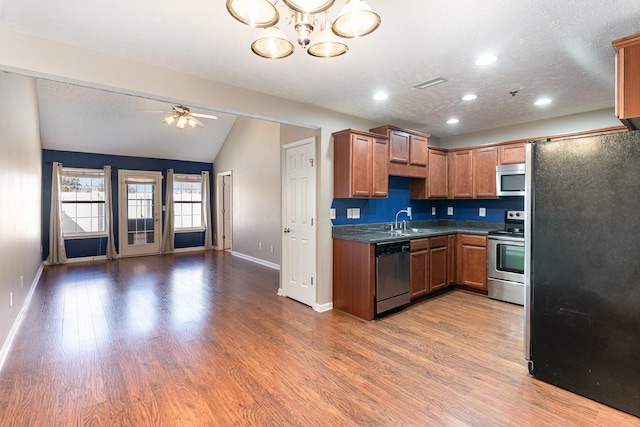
{"points": [[528, 215]]}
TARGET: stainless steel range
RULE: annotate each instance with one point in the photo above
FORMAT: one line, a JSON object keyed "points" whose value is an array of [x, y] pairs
{"points": [[506, 260]]}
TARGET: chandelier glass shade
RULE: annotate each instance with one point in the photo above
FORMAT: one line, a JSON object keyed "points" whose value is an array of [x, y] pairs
{"points": [[355, 19]]}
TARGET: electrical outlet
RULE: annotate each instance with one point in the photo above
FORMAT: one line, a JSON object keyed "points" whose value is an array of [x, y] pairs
{"points": [[259, 245], [482, 212], [21, 281], [450, 210], [332, 213], [349, 213], [10, 299], [355, 213], [271, 248], [433, 210]]}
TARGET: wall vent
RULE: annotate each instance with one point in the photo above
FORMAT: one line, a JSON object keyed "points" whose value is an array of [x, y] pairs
{"points": [[429, 83]]}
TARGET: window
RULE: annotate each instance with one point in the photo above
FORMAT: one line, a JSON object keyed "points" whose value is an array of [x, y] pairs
{"points": [[82, 202], [187, 202]]}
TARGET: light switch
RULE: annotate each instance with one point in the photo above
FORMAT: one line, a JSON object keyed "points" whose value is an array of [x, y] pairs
{"points": [[332, 213], [482, 212], [355, 213], [349, 213], [433, 210], [450, 210]]}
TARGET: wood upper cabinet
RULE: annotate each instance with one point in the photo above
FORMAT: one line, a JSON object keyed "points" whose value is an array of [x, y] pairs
{"points": [[408, 155], [360, 164], [461, 174], [628, 80], [438, 177], [471, 269], [484, 172], [509, 154]]}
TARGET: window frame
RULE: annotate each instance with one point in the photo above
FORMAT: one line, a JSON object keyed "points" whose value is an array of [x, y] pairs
{"points": [[84, 173], [182, 177]]}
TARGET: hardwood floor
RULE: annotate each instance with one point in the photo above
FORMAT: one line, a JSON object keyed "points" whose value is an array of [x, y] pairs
{"points": [[202, 339]]}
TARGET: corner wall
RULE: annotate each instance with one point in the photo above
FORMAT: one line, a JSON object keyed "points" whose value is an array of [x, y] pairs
{"points": [[20, 194]]}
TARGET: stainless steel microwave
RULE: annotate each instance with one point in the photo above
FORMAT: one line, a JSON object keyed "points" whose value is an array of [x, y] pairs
{"points": [[510, 180]]}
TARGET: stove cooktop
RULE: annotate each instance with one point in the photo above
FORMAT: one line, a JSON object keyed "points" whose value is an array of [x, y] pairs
{"points": [[508, 233]]}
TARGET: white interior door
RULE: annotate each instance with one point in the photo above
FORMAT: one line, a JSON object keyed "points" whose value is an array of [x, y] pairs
{"points": [[227, 230], [299, 235], [140, 203]]}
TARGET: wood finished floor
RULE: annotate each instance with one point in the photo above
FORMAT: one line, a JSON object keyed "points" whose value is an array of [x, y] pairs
{"points": [[202, 339]]}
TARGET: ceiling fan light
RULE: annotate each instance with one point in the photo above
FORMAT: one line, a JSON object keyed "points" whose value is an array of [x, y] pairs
{"points": [[181, 122], [169, 119], [309, 6], [192, 122], [272, 43], [255, 13], [356, 19], [327, 44]]}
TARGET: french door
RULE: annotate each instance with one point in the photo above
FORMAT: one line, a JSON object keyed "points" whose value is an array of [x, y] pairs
{"points": [[140, 204]]}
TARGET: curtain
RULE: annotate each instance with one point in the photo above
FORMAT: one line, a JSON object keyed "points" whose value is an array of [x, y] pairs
{"points": [[206, 210], [57, 252], [168, 240], [108, 203]]}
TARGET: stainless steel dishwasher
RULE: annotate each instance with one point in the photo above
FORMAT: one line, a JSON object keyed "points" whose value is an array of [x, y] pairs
{"points": [[393, 285]]}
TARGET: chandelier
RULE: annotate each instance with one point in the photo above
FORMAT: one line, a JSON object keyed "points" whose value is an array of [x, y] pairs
{"points": [[356, 19]]}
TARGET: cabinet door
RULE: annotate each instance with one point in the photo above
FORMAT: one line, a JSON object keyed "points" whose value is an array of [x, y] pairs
{"points": [[419, 273], [380, 168], [398, 147], [628, 77], [484, 183], [418, 150], [438, 176], [472, 261], [438, 263], [361, 152], [451, 258], [461, 174], [509, 154]]}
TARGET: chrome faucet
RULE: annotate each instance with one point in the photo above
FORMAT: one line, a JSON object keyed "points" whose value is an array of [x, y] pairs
{"points": [[408, 212]]}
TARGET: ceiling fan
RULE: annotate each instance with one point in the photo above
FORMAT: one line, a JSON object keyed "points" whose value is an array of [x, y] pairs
{"points": [[182, 116]]}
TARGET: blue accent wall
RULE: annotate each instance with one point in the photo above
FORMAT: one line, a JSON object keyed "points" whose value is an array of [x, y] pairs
{"points": [[97, 246], [384, 210]]}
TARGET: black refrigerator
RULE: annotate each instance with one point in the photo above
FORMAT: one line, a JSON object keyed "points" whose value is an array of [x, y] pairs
{"points": [[582, 266]]}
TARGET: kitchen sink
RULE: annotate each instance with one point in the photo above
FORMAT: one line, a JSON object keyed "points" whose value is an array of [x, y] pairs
{"points": [[410, 231]]}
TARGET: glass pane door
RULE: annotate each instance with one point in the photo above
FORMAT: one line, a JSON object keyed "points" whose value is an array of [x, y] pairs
{"points": [[140, 214]]}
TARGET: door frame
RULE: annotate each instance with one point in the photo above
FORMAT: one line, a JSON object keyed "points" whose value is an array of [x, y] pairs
{"points": [[219, 243], [284, 263], [123, 174]]}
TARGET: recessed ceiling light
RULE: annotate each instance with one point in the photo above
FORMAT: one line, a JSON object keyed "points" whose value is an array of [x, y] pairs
{"points": [[543, 101], [380, 96], [486, 60], [453, 121], [469, 97]]}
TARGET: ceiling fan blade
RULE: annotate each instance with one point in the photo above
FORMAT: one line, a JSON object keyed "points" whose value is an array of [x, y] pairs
{"points": [[204, 116], [152, 111]]}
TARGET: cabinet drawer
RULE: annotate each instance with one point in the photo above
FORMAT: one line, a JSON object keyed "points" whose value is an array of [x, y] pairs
{"points": [[474, 240], [419, 244], [438, 242]]}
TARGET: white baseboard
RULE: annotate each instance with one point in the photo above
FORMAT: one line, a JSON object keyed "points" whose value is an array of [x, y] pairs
{"points": [[4, 351], [256, 260], [191, 249], [321, 308]]}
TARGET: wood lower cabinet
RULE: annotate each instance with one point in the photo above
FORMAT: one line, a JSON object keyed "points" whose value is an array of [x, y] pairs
{"points": [[472, 261], [360, 166], [484, 172], [509, 154], [354, 275], [419, 267], [451, 258], [628, 80], [438, 252], [461, 174]]}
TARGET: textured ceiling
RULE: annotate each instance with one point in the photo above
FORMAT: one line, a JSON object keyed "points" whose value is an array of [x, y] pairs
{"points": [[558, 49]]}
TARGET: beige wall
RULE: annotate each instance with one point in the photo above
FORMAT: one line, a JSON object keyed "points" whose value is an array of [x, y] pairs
{"points": [[252, 153], [557, 126], [20, 189]]}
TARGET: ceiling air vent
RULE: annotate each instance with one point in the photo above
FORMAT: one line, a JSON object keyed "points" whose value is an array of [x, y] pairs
{"points": [[429, 83]]}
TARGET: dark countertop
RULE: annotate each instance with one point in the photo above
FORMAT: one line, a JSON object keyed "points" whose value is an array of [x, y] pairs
{"points": [[380, 232]]}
